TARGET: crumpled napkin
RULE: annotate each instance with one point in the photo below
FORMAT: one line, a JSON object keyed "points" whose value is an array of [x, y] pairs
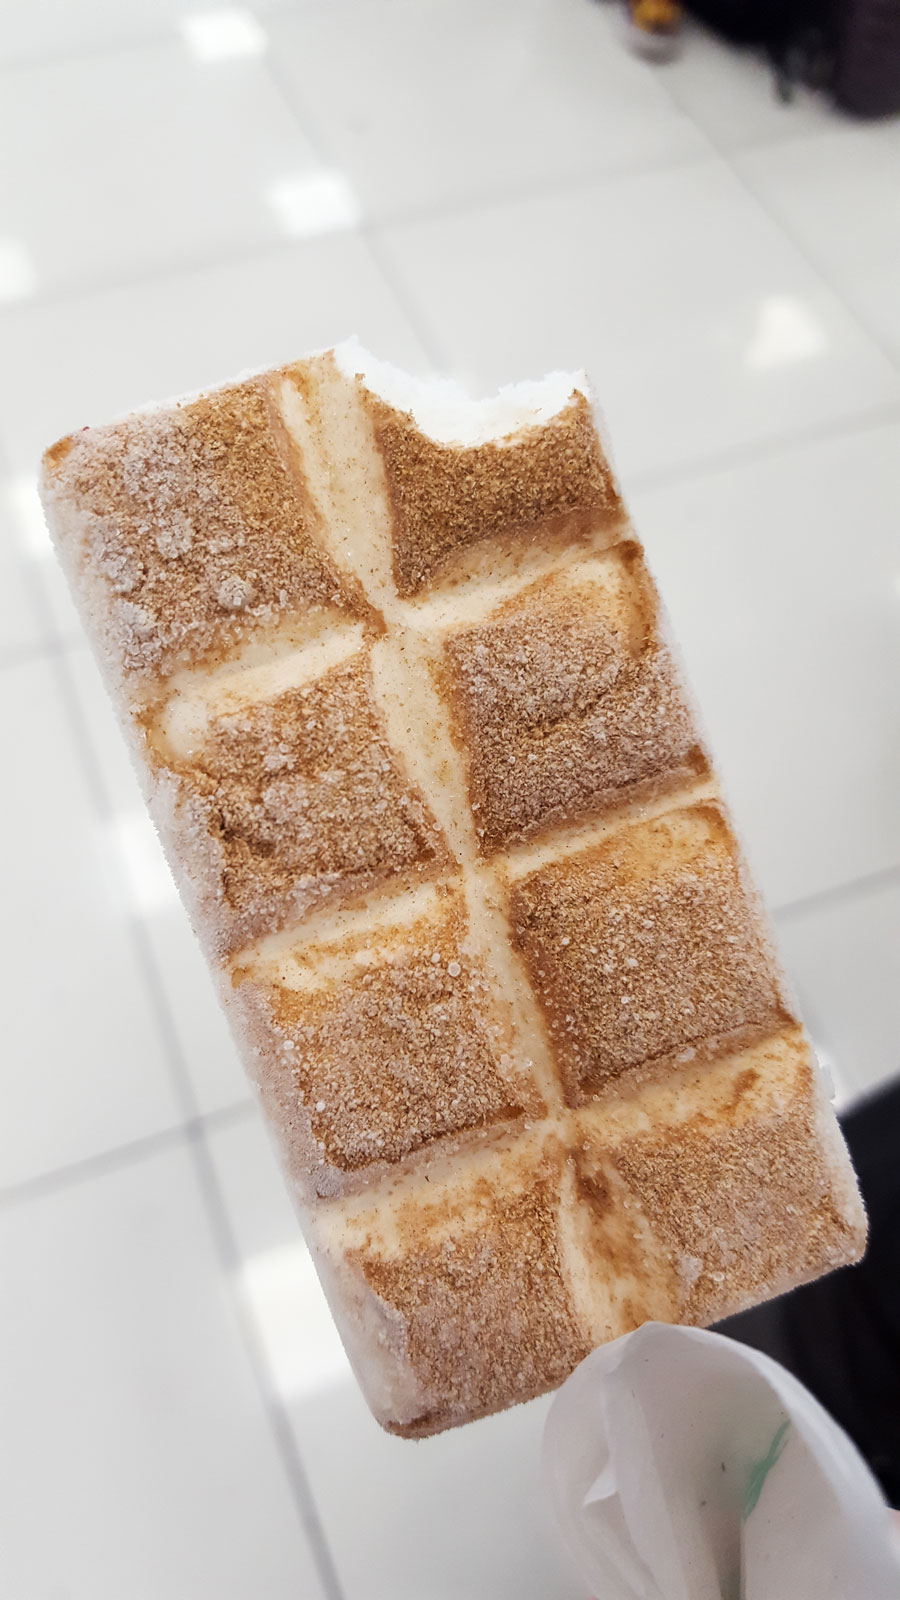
{"points": [[685, 1466]]}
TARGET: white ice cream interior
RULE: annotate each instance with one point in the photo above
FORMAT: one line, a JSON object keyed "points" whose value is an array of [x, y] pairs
{"points": [[444, 411]]}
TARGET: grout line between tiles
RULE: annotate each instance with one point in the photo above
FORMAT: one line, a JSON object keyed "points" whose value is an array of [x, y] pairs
{"points": [[415, 316], [103, 1162], [37, 650], [753, 451], [93, 1166], [76, 294], [838, 894], [191, 264], [545, 189]]}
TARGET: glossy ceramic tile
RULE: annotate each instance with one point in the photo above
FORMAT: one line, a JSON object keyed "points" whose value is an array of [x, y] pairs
{"points": [[187, 991], [703, 328], [106, 747], [139, 1460], [731, 94], [61, 620], [30, 551], [21, 627], [838, 197], [121, 348], [85, 1065], [843, 954], [206, 1046], [126, 162], [40, 28], [550, 94], [458, 1516], [781, 579]]}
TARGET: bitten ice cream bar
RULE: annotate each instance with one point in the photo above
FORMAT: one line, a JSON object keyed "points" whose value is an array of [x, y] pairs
{"points": [[396, 679]]}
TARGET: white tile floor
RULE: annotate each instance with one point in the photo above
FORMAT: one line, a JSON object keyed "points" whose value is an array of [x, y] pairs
{"points": [[497, 189]]}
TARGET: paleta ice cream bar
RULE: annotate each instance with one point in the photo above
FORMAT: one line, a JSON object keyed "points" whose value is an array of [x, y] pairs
{"points": [[394, 673]]}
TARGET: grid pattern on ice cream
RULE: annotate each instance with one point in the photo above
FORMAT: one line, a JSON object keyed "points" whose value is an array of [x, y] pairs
{"points": [[424, 766]]}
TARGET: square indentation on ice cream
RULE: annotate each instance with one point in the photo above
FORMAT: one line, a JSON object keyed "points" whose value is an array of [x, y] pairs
{"points": [[714, 1192], [275, 805], [384, 1038], [472, 1262], [565, 701], [450, 493], [191, 529], [646, 947]]}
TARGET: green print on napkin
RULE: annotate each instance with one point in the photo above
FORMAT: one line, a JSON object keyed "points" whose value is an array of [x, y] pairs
{"points": [[761, 1469]]}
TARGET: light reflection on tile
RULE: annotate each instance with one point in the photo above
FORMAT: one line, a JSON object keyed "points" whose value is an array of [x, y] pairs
{"points": [[786, 331], [313, 203], [223, 35], [295, 1325], [20, 624], [28, 516], [149, 882], [18, 278], [36, 28], [837, 195]]}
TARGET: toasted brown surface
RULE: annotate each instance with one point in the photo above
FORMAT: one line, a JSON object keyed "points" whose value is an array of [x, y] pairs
{"points": [[446, 498], [306, 800], [480, 1271], [645, 946], [565, 701], [427, 774], [198, 523], [742, 1201], [420, 1010]]}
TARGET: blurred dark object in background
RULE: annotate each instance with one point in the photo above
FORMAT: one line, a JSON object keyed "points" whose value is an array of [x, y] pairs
{"points": [[867, 67], [841, 1336], [851, 48]]}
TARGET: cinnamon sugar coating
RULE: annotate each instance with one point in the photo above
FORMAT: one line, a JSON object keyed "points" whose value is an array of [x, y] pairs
{"points": [[645, 946], [446, 498], [480, 1271], [305, 801], [783, 1216], [198, 525], [566, 706], [417, 1006]]}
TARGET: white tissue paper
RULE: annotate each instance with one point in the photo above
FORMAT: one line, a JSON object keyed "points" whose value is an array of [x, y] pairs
{"points": [[685, 1466]]}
